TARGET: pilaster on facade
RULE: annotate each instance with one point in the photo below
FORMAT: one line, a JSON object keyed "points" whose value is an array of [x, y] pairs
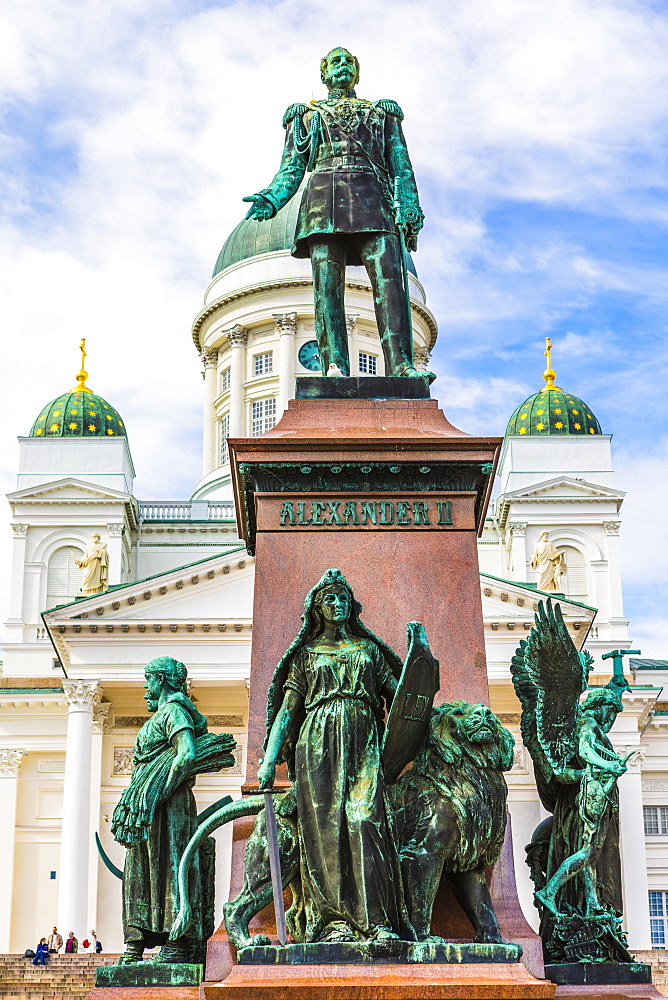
{"points": [[10, 764]]}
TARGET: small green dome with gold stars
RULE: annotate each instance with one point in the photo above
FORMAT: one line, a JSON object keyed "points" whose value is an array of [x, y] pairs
{"points": [[79, 413], [553, 411]]}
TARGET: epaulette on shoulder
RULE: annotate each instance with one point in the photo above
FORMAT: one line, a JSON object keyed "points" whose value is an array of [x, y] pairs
{"points": [[391, 108], [292, 112]]}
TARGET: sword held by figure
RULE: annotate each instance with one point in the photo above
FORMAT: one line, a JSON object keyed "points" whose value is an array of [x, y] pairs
{"points": [[275, 863]]}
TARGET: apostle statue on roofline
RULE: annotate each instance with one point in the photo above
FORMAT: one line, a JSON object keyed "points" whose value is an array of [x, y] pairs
{"points": [[360, 206]]}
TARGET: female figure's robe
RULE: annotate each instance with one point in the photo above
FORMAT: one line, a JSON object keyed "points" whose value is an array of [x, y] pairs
{"points": [[350, 871]]}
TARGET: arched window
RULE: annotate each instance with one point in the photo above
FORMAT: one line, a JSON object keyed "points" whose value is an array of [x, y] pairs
{"points": [[64, 578], [574, 583]]}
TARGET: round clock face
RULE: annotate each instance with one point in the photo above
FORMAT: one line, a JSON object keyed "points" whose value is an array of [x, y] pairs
{"points": [[309, 357]]}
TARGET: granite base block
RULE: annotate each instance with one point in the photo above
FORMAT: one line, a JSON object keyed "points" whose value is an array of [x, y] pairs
{"points": [[380, 953], [380, 982], [149, 974], [362, 387], [598, 973]]}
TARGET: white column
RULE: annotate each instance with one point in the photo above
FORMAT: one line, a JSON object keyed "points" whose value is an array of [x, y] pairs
{"points": [[75, 835], [100, 715], [237, 337], [20, 532], [115, 549], [210, 460], [634, 856], [286, 325], [10, 762]]}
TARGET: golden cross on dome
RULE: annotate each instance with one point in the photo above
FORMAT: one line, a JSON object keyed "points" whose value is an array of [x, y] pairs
{"points": [[82, 375], [549, 374]]}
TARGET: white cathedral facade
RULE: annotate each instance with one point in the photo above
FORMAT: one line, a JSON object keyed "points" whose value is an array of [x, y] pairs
{"points": [[180, 583]]}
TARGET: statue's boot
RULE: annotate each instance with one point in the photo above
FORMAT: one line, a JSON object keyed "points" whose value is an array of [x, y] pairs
{"points": [[408, 370], [172, 953], [134, 952]]}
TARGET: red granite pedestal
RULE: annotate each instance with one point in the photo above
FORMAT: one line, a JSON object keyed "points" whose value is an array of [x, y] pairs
{"points": [[389, 492]]}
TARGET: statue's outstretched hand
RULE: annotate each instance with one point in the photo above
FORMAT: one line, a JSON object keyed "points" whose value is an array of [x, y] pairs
{"points": [[266, 774], [261, 208]]}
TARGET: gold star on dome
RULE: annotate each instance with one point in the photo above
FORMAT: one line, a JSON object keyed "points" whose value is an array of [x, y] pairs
{"points": [[591, 430], [590, 416], [74, 412], [559, 424], [108, 416], [91, 413], [72, 427], [578, 427], [38, 431], [91, 427], [109, 430], [557, 411], [539, 427], [105, 406], [575, 412], [53, 427], [120, 423], [43, 417], [523, 417], [539, 413], [523, 430]]}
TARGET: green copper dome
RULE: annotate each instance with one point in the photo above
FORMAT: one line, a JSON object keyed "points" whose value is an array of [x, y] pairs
{"points": [[553, 411], [252, 236], [79, 413]]}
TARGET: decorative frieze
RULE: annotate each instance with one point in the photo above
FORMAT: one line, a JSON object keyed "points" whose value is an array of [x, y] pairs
{"points": [[122, 761], [19, 530], [611, 527], [51, 766]]}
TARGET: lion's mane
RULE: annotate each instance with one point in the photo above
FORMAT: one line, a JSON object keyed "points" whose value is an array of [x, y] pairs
{"points": [[461, 764]]}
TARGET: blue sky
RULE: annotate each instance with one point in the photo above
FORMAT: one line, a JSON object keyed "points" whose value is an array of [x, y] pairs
{"points": [[129, 133]]}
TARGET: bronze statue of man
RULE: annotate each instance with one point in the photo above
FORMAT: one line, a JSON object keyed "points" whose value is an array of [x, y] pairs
{"points": [[360, 206]]}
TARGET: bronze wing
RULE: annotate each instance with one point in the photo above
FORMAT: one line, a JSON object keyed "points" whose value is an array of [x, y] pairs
{"points": [[559, 674], [409, 715]]}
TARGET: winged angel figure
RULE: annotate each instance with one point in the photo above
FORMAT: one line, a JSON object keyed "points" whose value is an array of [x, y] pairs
{"points": [[574, 854]]}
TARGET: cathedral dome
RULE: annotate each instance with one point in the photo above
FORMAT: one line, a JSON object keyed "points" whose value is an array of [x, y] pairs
{"points": [[253, 236], [553, 411], [78, 413]]}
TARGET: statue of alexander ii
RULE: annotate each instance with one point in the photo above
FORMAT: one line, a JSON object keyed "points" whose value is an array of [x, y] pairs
{"points": [[360, 206]]}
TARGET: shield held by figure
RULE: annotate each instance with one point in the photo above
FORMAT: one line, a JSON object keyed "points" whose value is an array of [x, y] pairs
{"points": [[408, 720]]}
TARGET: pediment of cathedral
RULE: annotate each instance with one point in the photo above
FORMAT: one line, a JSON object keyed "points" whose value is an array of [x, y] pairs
{"points": [[564, 486], [203, 600], [67, 490]]}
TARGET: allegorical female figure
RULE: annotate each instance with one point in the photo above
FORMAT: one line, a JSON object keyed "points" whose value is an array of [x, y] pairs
{"points": [[324, 718]]}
